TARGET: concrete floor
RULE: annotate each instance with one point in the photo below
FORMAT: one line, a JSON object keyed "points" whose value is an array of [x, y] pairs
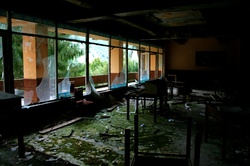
{"points": [[70, 145]]}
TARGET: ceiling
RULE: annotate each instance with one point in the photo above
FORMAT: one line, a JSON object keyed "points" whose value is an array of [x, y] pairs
{"points": [[151, 21]]}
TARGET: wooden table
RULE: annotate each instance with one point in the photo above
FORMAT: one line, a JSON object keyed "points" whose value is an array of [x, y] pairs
{"points": [[11, 107], [133, 94]]}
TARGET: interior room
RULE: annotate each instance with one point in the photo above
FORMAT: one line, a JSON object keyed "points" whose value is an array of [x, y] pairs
{"points": [[104, 83]]}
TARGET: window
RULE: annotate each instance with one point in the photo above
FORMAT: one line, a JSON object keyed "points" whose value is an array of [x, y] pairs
{"points": [[71, 61], [71, 67], [160, 63], [3, 20], [1, 65], [48, 62], [33, 62], [99, 61], [153, 63], [144, 63], [118, 69], [133, 62], [32, 26]]}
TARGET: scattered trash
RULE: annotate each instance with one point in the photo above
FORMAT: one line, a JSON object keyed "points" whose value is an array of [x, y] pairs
{"points": [[187, 106], [28, 157], [142, 125], [14, 148], [170, 120], [52, 159]]}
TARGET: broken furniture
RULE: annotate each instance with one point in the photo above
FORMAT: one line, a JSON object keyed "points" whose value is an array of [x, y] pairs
{"points": [[178, 85], [225, 114], [133, 94], [12, 117], [79, 99], [81, 104], [147, 158], [153, 90], [78, 93]]}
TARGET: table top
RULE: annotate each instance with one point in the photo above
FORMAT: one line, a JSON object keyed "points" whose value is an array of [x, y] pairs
{"points": [[8, 96]]}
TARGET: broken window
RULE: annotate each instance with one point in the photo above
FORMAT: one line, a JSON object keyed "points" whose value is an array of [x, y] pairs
{"points": [[33, 60], [144, 67], [144, 63], [46, 90], [1, 66], [71, 66], [99, 60], [118, 68], [133, 62], [153, 63], [160, 63]]}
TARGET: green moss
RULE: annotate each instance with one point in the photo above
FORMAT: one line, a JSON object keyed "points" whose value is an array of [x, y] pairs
{"points": [[82, 143]]}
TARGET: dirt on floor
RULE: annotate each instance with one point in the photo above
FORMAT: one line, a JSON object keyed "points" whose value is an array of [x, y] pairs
{"points": [[99, 138]]}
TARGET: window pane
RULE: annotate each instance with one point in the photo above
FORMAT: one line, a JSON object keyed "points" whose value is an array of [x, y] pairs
{"points": [[3, 20], [160, 74], [71, 66], [133, 45], [118, 68], [144, 47], [34, 68], [32, 27], [153, 66], [99, 64], [71, 34], [133, 65], [118, 43], [98, 39], [154, 49], [160, 50], [1, 66], [144, 67]]}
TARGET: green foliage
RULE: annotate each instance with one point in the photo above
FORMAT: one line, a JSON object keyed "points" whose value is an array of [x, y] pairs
{"points": [[68, 52], [98, 67], [77, 69], [17, 50], [133, 66]]}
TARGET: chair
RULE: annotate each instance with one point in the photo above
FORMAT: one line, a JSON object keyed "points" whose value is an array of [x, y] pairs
{"points": [[78, 94]]}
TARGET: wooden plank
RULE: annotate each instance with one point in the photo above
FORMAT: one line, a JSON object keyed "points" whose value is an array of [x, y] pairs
{"points": [[112, 107], [60, 125]]}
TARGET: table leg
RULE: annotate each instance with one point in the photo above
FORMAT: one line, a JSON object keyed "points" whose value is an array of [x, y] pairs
{"points": [[155, 108], [21, 149], [206, 124], [137, 105], [127, 98], [224, 137]]}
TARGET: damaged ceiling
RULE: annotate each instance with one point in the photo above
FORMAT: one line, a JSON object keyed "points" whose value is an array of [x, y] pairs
{"points": [[154, 21]]}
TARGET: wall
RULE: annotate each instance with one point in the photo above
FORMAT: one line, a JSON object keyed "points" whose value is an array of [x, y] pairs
{"points": [[181, 60]]}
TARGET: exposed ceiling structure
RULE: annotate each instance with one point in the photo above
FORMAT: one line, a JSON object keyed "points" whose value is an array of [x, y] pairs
{"points": [[154, 21]]}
